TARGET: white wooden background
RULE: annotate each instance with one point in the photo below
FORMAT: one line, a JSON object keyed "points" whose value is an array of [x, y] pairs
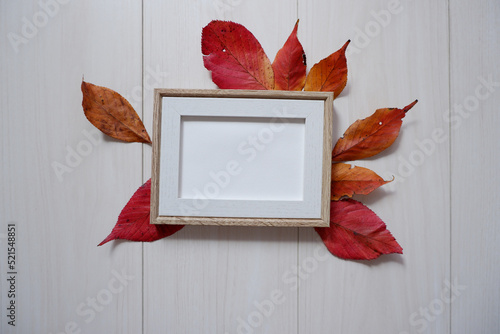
{"points": [[443, 208]]}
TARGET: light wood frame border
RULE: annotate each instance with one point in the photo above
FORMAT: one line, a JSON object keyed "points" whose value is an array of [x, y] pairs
{"points": [[324, 221]]}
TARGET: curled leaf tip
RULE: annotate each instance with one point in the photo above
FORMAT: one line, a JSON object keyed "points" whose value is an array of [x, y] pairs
{"points": [[345, 45], [103, 242], [408, 107], [108, 239]]}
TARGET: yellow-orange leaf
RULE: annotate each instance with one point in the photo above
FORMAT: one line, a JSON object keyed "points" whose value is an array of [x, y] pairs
{"points": [[347, 181], [369, 136], [112, 114], [330, 74]]}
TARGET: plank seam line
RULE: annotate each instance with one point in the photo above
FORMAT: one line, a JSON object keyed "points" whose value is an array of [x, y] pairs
{"points": [[143, 158], [450, 145]]}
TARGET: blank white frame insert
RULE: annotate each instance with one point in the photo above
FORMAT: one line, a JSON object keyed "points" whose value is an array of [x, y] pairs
{"points": [[229, 158]]}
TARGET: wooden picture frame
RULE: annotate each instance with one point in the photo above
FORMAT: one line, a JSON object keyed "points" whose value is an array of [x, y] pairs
{"points": [[280, 173]]}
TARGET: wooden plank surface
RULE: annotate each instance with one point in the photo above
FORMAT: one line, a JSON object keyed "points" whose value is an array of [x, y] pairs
{"points": [[398, 53], [214, 279], [475, 147], [64, 183], [64, 282]]}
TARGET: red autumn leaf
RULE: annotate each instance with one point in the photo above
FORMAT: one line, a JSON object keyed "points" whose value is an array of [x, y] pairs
{"points": [[347, 181], [330, 74], [133, 222], [369, 136], [235, 57], [356, 232], [112, 114], [290, 64]]}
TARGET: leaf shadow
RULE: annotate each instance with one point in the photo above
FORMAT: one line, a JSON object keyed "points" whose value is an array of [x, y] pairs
{"points": [[238, 233], [375, 196], [264, 234], [115, 244], [383, 259], [335, 125], [345, 92], [110, 139]]}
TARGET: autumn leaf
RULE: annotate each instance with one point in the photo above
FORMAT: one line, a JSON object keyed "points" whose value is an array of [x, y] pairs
{"points": [[290, 64], [330, 74], [369, 136], [356, 232], [112, 114], [235, 57], [347, 181], [133, 222]]}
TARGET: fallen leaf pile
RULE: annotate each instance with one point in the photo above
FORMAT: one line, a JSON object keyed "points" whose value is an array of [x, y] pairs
{"points": [[237, 61]]}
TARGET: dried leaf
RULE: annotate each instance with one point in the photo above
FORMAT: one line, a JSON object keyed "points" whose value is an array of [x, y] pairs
{"points": [[369, 136], [330, 74], [133, 222], [112, 114], [290, 64], [347, 181], [356, 232], [235, 57]]}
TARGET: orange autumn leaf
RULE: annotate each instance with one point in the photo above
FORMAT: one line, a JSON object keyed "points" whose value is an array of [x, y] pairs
{"points": [[369, 136], [348, 181], [235, 57], [330, 74], [290, 64], [112, 114]]}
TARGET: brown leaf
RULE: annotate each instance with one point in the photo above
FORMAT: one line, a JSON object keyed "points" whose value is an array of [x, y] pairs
{"points": [[356, 232], [112, 114], [348, 181], [330, 74], [369, 136], [290, 64]]}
